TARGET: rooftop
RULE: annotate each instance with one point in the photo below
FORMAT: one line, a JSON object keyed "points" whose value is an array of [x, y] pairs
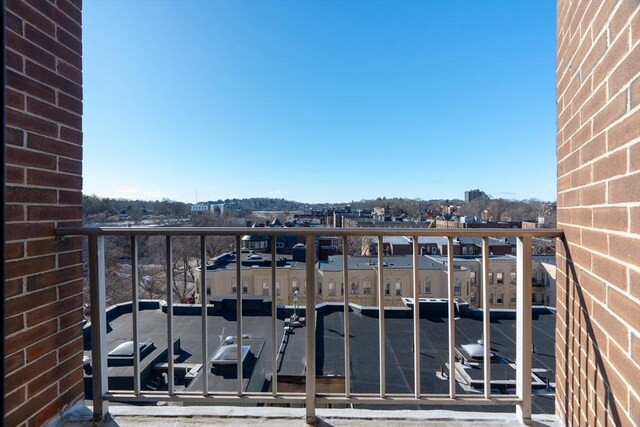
{"points": [[257, 334]]}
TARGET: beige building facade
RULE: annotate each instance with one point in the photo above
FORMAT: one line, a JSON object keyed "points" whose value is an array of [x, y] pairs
{"points": [[364, 288]]}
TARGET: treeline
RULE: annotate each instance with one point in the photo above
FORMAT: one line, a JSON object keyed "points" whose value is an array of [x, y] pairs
{"points": [[491, 209], [101, 209]]}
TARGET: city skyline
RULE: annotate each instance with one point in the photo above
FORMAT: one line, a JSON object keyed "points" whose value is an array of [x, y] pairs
{"points": [[319, 102]]}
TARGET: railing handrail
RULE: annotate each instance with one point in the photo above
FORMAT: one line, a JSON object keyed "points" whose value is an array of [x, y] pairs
{"points": [[308, 231], [523, 237]]}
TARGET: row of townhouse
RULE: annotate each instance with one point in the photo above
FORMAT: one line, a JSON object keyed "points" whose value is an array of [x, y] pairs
{"points": [[364, 288]]}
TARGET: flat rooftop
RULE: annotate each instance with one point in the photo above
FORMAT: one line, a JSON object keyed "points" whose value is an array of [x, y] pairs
{"points": [[364, 360]]}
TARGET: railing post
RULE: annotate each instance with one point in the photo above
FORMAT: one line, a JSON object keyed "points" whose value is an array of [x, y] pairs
{"points": [[135, 308], [381, 301], [486, 317], [274, 320], [416, 318], [98, 327], [451, 319], [239, 291], [523, 328], [310, 313], [204, 314], [170, 355], [347, 343]]}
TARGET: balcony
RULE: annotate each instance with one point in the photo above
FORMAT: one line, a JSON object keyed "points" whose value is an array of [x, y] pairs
{"points": [[323, 371]]}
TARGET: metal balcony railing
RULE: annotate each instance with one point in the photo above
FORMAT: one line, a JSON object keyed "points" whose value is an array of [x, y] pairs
{"points": [[310, 398]]}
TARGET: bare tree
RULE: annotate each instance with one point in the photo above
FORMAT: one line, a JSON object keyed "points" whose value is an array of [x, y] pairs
{"points": [[356, 245]]}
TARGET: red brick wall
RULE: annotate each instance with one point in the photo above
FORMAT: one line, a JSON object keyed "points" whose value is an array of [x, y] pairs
{"points": [[598, 149], [43, 277]]}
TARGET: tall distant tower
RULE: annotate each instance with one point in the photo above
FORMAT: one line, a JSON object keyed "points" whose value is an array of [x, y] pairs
{"points": [[473, 194]]}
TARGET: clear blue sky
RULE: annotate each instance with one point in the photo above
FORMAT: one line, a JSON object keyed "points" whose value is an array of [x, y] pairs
{"points": [[328, 101]]}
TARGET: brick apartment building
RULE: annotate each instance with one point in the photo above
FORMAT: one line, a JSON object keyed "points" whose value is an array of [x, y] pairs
{"points": [[598, 152]]}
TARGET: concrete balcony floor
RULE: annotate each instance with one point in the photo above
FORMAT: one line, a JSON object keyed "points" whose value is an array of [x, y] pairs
{"points": [[175, 416]]}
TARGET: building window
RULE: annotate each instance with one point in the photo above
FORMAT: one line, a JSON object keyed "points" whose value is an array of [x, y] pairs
{"points": [[234, 289], [499, 299], [332, 289], [472, 277], [387, 289], [265, 289], [434, 251], [367, 287], [513, 300], [491, 278], [278, 288], [534, 298], [499, 278], [473, 297], [319, 288], [341, 289], [245, 288], [456, 289], [491, 298], [355, 290], [427, 286], [398, 289], [513, 277], [279, 245]]}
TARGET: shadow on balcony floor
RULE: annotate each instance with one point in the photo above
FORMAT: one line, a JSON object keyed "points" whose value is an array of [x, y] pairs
{"points": [[165, 416]]}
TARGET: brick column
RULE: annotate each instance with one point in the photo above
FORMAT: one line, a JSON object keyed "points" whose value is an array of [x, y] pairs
{"points": [[43, 277], [598, 149]]}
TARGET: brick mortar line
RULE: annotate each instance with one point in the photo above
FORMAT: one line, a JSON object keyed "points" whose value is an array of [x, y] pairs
{"points": [[609, 258], [607, 154], [27, 58], [605, 79], [27, 257], [42, 15], [54, 71], [626, 55], [637, 365], [27, 292], [630, 329], [627, 113], [57, 156], [50, 187], [599, 205], [58, 91], [627, 144], [581, 38], [49, 119]]}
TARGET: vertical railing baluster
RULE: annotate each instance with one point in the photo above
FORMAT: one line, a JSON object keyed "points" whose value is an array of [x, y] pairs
{"points": [[347, 290], [381, 295], [486, 317], [203, 305], [98, 327], [523, 327], [170, 355], [239, 289], [451, 319], [310, 314], [135, 305], [416, 318], [274, 320]]}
